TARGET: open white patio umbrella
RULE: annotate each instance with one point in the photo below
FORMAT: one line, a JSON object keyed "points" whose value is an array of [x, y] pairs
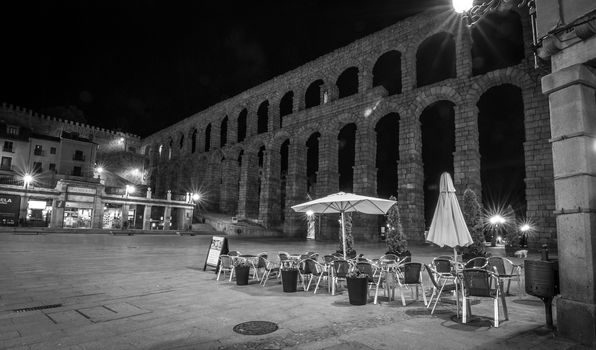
{"points": [[448, 227], [342, 202]]}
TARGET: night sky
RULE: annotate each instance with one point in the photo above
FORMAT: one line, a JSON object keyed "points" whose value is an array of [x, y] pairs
{"points": [[139, 66]]}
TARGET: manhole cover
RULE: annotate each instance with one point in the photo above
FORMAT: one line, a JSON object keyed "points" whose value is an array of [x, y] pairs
{"points": [[255, 327]]}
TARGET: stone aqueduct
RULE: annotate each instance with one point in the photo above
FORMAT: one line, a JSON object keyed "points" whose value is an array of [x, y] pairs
{"points": [[256, 154]]}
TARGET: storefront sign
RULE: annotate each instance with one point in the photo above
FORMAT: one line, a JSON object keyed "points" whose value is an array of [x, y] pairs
{"points": [[82, 190], [77, 198], [70, 204], [9, 209]]}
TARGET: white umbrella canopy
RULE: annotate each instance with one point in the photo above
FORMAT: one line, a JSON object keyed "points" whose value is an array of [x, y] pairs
{"points": [[342, 202], [448, 227]]}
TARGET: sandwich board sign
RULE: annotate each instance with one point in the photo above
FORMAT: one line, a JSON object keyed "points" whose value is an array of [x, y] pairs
{"points": [[218, 246]]}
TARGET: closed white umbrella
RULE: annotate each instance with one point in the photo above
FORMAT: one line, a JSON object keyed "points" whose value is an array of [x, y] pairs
{"points": [[448, 227], [342, 202]]}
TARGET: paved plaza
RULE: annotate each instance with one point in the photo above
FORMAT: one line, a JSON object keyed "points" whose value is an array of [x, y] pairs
{"points": [[150, 292]]}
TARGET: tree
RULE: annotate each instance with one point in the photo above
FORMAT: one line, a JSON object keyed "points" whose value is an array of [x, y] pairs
{"points": [[472, 211], [395, 240]]}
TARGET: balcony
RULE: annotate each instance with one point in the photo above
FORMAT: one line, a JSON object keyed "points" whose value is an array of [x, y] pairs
{"points": [[78, 157], [6, 167], [8, 149], [39, 152]]}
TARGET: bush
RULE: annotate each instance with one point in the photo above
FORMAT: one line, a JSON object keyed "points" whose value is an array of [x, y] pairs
{"points": [[395, 239], [472, 211]]}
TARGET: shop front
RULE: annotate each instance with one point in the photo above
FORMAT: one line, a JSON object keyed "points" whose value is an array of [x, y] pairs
{"points": [[39, 212], [78, 215], [112, 216], [10, 206]]}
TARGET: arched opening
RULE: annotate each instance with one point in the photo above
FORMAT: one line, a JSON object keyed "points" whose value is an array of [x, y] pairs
{"points": [[170, 146], [347, 82], [387, 72], [208, 138], [242, 125], [502, 161], [435, 59], [193, 141], [283, 172], [346, 152], [387, 130], [285, 106], [223, 132], [438, 144], [262, 117], [497, 42], [312, 162], [181, 141], [312, 97]]}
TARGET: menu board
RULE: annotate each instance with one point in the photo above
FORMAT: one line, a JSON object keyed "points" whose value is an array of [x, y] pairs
{"points": [[218, 246]]}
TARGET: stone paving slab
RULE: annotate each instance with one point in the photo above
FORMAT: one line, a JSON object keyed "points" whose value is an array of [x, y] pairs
{"points": [[150, 292]]}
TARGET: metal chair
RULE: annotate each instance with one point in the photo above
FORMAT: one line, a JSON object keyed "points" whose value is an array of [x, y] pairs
{"points": [[226, 265], [476, 263], [340, 272], [412, 277], [317, 270], [482, 283], [506, 270], [270, 267], [438, 288]]}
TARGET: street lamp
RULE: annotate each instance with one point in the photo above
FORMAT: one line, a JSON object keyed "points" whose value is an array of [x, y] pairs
{"points": [[496, 220], [129, 190], [27, 179]]}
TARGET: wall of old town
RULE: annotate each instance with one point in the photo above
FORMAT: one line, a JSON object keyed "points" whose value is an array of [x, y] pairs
{"points": [[189, 156]]}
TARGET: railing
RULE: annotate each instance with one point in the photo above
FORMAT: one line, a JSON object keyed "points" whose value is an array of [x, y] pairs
{"points": [[7, 149], [5, 167], [39, 152], [78, 158]]}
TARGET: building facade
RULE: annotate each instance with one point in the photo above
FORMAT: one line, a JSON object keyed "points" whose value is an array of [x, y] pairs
{"points": [[66, 189], [385, 115]]}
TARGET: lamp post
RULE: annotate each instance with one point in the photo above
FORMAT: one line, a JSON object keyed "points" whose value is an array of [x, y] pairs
{"points": [[27, 179], [496, 220]]}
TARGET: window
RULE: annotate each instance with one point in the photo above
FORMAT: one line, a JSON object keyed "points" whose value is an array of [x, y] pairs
{"points": [[6, 163], [76, 171], [52, 150], [53, 167], [78, 155], [12, 130], [7, 146], [38, 151], [37, 167]]}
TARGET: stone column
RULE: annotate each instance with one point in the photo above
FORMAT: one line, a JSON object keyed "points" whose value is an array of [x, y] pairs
{"points": [[213, 181], [233, 130], [269, 201], [215, 134], [365, 79], [463, 47], [466, 158], [571, 94], [229, 186], [294, 224], [147, 217], [248, 201], [273, 121], [251, 121], [167, 222], [365, 182], [328, 181], [410, 174]]}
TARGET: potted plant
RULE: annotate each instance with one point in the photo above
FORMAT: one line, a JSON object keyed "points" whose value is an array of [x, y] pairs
{"points": [[350, 252], [357, 287], [242, 271], [289, 278], [472, 211], [395, 240]]}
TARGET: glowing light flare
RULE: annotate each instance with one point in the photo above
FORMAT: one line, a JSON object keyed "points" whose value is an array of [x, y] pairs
{"points": [[99, 170], [497, 219], [525, 228], [27, 179], [135, 171], [130, 189], [196, 197], [461, 6], [310, 213]]}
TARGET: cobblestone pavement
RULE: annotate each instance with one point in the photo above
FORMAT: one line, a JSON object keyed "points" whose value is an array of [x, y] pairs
{"points": [[150, 292]]}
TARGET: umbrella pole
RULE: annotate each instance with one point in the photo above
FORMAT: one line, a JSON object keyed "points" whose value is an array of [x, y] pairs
{"points": [[343, 233], [454, 254]]}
